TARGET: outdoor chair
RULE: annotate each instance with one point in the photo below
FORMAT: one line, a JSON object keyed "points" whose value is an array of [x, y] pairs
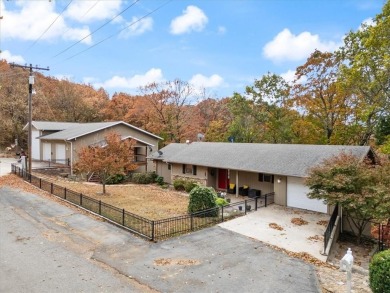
{"points": [[243, 190], [231, 188], [254, 193]]}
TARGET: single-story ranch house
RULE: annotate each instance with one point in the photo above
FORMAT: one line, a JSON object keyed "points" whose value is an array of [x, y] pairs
{"points": [[236, 167], [60, 142]]}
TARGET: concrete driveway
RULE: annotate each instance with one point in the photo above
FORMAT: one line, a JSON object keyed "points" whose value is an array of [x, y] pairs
{"points": [[5, 165], [49, 247], [292, 229]]}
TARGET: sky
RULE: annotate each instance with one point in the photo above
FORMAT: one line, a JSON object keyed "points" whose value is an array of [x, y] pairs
{"points": [[221, 46]]}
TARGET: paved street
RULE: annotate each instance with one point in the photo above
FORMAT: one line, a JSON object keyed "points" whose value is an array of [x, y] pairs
{"points": [[48, 247]]}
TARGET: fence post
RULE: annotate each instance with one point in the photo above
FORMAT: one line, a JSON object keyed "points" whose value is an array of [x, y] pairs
{"points": [[245, 207], [222, 214], [100, 207], [256, 203], [40, 183], [51, 188], [265, 200], [30, 177], [123, 217], [65, 193], [152, 230], [81, 199], [192, 223]]}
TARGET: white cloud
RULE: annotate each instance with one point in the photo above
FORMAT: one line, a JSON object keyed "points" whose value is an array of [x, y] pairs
{"points": [[133, 82], [6, 55], [88, 11], [137, 27], [367, 22], [192, 19], [287, 46], [68, 77], [201, 81], [22, 24], [290, 76]]}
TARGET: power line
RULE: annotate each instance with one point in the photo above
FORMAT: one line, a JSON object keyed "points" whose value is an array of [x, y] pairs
{"points": [[100, 27], [131, 24], [63, 10]]}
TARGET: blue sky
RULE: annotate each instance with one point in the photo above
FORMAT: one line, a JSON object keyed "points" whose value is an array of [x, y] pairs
{"points": [[219, 45]]}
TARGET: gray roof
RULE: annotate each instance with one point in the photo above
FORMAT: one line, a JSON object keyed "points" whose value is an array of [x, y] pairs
{"points": [[81, 129], [51, 125], [279, 159]]}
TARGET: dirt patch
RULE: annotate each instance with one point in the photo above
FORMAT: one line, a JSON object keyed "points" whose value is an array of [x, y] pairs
{"points": [[299, 221], [180, 262], [275, 226]]}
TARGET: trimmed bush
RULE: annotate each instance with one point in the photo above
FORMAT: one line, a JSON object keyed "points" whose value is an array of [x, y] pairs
{"points": [[143, 178], [160, 180], [115, 179], [221, 202], [379, 272], [189, 185], [202, 198], [178, 184]]}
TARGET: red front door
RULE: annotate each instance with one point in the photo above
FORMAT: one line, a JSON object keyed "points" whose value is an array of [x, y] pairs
{"points": [[222, 179]]}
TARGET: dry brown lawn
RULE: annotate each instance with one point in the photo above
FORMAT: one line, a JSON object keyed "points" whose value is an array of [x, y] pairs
{"points": [[149, 201]]}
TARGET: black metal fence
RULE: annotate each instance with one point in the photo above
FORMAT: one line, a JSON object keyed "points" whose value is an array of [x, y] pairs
{"points": [[384, 236], [150, 229], [329, 228]]}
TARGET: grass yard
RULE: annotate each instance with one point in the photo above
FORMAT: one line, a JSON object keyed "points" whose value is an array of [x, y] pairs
{"points": [[149, 201]]}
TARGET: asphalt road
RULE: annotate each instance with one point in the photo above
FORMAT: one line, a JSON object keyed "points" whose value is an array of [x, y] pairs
{"points": [[48, 247]]}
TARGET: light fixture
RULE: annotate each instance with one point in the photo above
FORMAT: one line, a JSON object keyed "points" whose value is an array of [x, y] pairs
{"points": [[279, 180]]}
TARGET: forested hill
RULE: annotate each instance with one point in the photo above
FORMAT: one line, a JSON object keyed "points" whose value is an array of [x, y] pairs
{"points": [[341, 97]]}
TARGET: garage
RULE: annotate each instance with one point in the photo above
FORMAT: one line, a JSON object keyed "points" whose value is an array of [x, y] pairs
{"points": [[46, 151], [296, 196], [60, 154]]}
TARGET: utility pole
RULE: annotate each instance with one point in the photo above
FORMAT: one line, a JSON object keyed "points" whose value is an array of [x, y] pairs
{"points": [[30, 91]]}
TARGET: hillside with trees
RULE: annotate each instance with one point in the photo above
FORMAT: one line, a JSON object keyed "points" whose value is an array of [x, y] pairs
{"points": [[340, 97]]}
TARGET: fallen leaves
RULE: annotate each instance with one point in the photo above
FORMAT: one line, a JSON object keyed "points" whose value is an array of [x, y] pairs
{"points": [[275, 226], [316, 238], [299, 221], [322, 223]]}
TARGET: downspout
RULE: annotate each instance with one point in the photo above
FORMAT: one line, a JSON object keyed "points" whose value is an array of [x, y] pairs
{"points": [[71, 158]]}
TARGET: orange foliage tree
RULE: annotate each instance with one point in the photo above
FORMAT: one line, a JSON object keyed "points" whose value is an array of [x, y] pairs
{"points": [[113, 156]]}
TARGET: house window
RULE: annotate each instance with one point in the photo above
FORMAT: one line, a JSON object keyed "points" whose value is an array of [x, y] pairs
{"points": [[266, 177], [184, 168], [169, 167], [193, 169]]}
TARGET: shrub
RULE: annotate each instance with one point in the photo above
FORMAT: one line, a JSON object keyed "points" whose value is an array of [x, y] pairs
{"points": [[189, 185], [379, 272], [178, 184], [202, 198], [221, 202], [115, 179], [160, 180], [143, 178]]}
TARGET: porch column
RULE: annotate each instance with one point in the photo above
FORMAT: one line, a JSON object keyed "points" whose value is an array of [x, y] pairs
{"points": [[236, 183]]}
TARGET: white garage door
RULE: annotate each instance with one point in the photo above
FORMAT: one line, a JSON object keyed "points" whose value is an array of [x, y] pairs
{"points": [[296, 196], [46, 151], [60, 153]]}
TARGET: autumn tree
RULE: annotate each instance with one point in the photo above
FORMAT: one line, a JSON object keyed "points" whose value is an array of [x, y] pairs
{"points": [[113, 156], [365, 72], [315, 93], [171, 109], [361, 188]]}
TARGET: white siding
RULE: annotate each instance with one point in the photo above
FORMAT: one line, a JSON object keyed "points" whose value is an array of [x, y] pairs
{"points": [[35, 145], [60, 153], [46, 151], [297, 196]]}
